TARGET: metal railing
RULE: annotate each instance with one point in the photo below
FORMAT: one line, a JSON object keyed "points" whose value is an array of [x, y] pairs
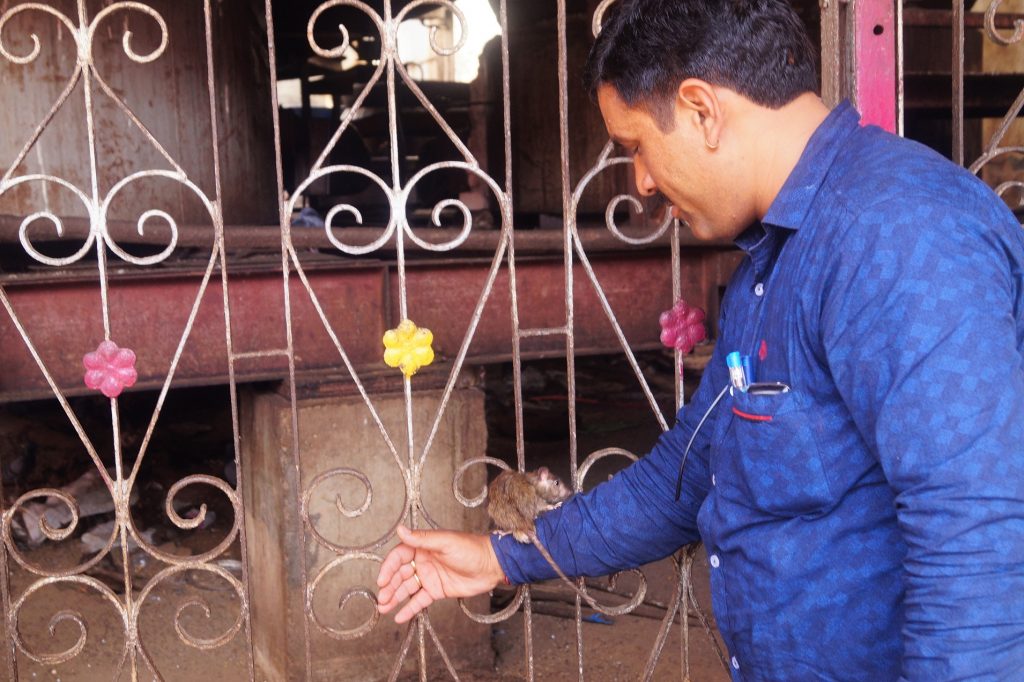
{"points": [[112, 368]]}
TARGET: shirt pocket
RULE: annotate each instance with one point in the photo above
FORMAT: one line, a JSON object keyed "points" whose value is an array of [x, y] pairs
{"points": [[773, 444]]}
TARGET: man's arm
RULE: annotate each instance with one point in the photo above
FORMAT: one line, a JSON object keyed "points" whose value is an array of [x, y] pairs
{"points": [[634, 518], [922, 340], [626, 522]]}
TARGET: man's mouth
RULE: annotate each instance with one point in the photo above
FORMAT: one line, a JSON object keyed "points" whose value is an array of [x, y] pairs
{"points": [[657, 206]]}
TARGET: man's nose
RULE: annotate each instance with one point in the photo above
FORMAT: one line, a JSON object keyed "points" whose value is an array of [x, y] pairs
{"points": [[645, 184]]}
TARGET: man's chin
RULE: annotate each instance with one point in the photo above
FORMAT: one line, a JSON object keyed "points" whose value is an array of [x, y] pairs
{"points": [[698, 229]]}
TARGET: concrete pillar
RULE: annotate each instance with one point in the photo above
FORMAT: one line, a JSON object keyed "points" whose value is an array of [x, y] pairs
{"points": [[336, 431]]}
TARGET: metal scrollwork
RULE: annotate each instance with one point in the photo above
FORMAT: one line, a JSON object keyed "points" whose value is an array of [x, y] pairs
{"points": [[599, 16], [454, 9], [460, 473], [641, 591], [51, 533], [126, 39], [58, 224], [467, 219], [347, 597], [64, 616], [339, 51], [1004, 188], [200, 604], [471, 502], [335, 211], [192, 523], [993, 32], [605, 162], [171, 224], [993, 153], [344, 472], [36, 46]]}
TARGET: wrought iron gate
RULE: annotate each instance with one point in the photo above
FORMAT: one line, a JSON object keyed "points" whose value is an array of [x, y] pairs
{"points": [[111, 369]]}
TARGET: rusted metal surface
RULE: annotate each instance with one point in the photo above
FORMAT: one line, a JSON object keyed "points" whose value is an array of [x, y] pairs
{"points": [[978, 90], [262, 238], [832, 54], [55, 312], [95, 194], [875, 62], [293, 315], [177, 78]]}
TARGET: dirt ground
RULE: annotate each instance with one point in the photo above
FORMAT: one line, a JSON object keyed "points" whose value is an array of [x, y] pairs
{"points": [[611, 412]]}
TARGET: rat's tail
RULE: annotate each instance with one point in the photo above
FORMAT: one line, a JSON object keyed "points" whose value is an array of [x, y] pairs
{"points": [[583, 595]]}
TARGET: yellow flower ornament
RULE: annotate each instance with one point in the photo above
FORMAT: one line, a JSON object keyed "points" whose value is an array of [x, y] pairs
{"points": [[408, 347]]}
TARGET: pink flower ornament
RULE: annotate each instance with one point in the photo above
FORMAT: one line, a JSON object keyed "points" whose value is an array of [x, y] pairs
{"points": [[110, 369], [682, 327]]}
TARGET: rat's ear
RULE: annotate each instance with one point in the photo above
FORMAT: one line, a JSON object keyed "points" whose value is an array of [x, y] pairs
{"points": [[543, 473]]}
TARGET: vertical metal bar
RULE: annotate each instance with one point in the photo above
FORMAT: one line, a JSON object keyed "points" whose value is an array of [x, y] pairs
{"points": [[214, 128], [528, 639], [94, 217], [286, 254], [569, 220], [685, 563], [517, 361], [229, 341], [422, 645], [121, 504], [875, 62], [677, 293], [900, 90], [958, 81], [831, 53], [10, 652], [389, 53], [568, 229], [122, 510]]}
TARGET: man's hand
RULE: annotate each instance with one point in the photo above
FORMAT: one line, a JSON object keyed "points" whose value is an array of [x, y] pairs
{"points": [[447, 563]]}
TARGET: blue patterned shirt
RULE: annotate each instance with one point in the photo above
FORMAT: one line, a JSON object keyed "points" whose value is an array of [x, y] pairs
{"points": [[869, 523]]}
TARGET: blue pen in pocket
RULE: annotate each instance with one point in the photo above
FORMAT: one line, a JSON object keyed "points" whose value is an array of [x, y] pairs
{"points": [[737, 375]]}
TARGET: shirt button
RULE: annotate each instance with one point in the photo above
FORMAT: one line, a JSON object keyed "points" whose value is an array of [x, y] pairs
{"points": [[759, 289], [713, 480], [714, 561], [735, 663]]}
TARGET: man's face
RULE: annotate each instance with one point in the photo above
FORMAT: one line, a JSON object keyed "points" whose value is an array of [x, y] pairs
{"points": [[675, 162]]}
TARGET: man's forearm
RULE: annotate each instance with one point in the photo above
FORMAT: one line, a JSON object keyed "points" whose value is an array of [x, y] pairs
{"points": [[628, 521]]}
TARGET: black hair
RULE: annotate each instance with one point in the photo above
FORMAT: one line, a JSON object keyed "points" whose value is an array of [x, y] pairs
{"points": [[757, 48]]}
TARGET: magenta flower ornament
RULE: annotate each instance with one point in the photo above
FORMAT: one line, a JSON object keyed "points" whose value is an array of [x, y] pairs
{"points": [[110, 369], [682, 327]]}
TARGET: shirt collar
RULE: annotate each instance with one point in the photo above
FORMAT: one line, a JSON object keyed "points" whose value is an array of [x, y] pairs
{"points": [[794, 199], [790, 207]]}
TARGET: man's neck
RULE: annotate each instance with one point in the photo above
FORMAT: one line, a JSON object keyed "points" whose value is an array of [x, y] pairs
{"points": [[779, 137]]}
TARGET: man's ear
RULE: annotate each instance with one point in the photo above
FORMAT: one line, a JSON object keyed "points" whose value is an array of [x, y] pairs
{"points": [[697, 105]]}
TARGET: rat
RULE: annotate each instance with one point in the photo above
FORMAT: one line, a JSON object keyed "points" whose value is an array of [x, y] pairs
{"points": [[514, 501]]}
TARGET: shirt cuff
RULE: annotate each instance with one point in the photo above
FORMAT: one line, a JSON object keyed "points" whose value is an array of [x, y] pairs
{"points": [[515, 558]]}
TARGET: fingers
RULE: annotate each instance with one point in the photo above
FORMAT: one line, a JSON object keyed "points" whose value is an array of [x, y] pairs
{"points": [[402, 585], [424, 539], [400, 555], [417, 603]]}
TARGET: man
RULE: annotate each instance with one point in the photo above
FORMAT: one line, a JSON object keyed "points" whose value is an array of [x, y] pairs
{"points": [[868, 523]]}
